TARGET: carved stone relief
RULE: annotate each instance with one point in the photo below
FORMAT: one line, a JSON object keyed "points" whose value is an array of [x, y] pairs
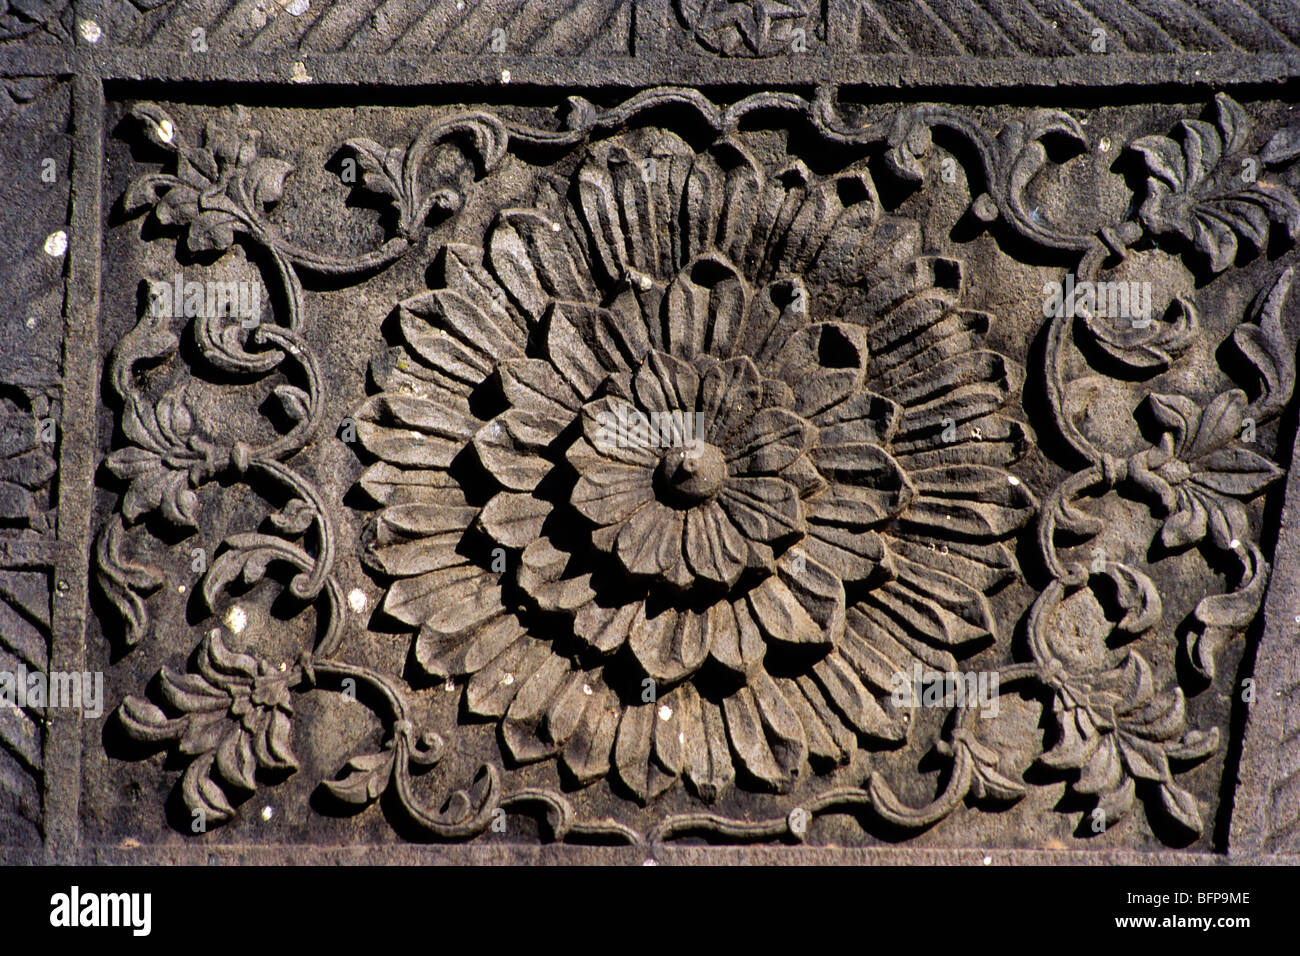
{"points": [[688, 449], [664, 464]]}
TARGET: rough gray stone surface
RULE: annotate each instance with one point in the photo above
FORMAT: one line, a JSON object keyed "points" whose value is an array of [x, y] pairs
{"points": [[683, 430]]}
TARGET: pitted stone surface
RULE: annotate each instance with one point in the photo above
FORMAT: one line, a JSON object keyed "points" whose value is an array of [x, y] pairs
{"points": [[491, 428]]}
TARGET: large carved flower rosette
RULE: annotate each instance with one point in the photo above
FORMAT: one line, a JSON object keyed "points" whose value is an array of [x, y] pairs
{"points": [[680, 468]]}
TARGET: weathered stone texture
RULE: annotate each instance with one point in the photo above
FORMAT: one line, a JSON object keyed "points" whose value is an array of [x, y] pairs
{"points": [[500, 426]]}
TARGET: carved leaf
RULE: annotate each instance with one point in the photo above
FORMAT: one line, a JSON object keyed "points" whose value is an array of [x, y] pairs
{"points": [[294, 400], [1223, 615], [988, 780], [265, 179], [1137, 596], [381, 170], [1146, 344], [124, 582], [201, 792], [1284, 145], [295, 518], [1265, 345], [366, 777], [1182, 807]]}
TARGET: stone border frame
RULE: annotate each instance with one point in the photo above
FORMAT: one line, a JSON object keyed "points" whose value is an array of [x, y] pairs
{"points": [[1266, 803]]}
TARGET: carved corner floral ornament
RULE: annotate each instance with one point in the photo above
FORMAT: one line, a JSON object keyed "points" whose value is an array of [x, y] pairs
{"points": [[234, 720], [686, 457]]}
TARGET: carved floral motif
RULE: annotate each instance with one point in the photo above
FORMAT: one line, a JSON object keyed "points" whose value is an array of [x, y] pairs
{"points": [[803, 516], [1204, 187], [749, 28], [234, 721]]}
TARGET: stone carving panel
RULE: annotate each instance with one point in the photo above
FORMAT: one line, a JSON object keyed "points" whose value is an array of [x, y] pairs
{"points": [[649, 429], [620, 471]]}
